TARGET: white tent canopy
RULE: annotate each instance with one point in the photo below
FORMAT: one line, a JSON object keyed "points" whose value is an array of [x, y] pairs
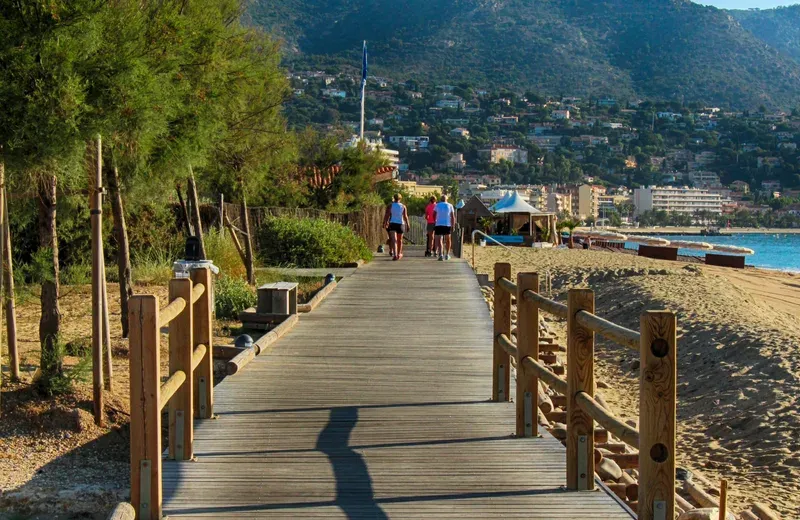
{"points": [[515, 204], [502, 202]]}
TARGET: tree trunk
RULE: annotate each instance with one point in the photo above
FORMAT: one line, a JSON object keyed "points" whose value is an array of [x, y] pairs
{"points": [[186, 222], [198, 224], [11, 312], [248, 242], [123, 246], [50, 322]]}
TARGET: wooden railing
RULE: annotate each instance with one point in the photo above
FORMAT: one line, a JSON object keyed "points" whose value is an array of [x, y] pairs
{"points": [[187, 392], [656, 342]]}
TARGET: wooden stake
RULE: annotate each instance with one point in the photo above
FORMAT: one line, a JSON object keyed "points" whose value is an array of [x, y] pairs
{"points": [[501, 362], [97, 287], [10, 301], [203, 380], [236, 241], [580, 378], [181, 348], [248, 242], [145, 391], [528, 391], [108, 368], [222, 214], [723, 499], [657, 414], [2, 257], [187, 224], [198, 223]]}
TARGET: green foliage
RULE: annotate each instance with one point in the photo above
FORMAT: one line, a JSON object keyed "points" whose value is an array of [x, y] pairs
{"points": [[232, 295], [77, 274], [60, 382], [309, 243], [221, 250]]}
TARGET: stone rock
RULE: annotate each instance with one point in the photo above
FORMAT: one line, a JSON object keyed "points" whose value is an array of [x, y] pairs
{"points": [[608, 470], [705, 513]]}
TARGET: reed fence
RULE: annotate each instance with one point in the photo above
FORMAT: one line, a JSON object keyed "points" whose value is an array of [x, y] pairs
{"points": [[656, 343], [187, 393]]}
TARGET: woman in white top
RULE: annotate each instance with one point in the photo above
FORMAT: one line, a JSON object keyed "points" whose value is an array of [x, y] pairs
{"points": [[396, 222]]}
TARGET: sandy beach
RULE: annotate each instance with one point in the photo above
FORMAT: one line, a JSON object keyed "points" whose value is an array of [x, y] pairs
{"points": [[739, 358]]}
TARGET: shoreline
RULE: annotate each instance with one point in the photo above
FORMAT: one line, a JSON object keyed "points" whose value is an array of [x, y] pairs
{"points": [[696, 231]]}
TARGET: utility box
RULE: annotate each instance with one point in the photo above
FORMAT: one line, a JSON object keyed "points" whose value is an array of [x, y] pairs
{"points": [[277, 298]]}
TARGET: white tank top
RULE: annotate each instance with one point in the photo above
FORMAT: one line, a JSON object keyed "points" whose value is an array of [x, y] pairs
{"points": [[397, 213]]}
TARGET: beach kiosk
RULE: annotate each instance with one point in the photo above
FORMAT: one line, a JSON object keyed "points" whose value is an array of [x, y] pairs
{"points": [[521, 222]]}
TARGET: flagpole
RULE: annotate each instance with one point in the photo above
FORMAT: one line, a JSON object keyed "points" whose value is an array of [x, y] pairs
{"points": [[363, 87]]}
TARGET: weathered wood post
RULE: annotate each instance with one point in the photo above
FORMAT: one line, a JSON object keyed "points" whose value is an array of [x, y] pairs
{"points": [[657, 415], [8, 281], [203, 379], [96, 201], [527, 346], [501, 377], [580, 378], [145, 391], [2, 257], [181, 347]]}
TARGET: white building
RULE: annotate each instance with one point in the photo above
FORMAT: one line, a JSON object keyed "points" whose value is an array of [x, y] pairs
{"points": [[704, 179], [546, 142], [678, 200], [560, 114], [413, 142], [495, 154], [459, 132]]}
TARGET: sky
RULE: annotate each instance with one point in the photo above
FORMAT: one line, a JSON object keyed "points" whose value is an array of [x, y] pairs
{"points": [[747, 4]]}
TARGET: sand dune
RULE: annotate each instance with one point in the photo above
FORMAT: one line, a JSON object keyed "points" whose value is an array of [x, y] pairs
{"points": [[739, 358]]}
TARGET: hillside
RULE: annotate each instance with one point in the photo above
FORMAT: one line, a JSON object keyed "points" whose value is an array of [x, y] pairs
{"points": [[780, 27], [657, 48]]}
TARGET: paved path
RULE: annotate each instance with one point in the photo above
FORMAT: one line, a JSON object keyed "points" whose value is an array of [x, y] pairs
{"points": [[375, 406]]}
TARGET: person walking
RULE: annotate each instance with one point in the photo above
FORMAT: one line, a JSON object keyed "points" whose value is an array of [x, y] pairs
{"points": [[430, 220], [396, 222], [445, 215]]}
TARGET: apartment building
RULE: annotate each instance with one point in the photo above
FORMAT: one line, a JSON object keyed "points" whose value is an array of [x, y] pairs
{"points": [[495, 154], [559, 203], [677, 200]]}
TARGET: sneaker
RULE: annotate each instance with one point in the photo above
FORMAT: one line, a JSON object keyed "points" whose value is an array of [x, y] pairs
{"points": [[427, 254], [395, 258], [441, 258], [447, 257]]}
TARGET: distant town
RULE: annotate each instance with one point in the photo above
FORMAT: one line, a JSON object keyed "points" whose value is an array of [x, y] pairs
{"points": [[598, 160]]}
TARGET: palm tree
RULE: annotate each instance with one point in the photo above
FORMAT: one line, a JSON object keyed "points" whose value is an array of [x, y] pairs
{"points": [[571, 225]]}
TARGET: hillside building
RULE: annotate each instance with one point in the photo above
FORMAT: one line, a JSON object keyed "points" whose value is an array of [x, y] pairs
{"points": [[686, 201], [514, 154]]}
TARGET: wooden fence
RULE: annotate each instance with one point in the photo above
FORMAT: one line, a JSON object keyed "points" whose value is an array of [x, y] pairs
{"points": [[188, 391], [656, 343]]}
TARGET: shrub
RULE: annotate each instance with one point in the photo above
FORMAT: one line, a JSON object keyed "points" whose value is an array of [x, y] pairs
{"points": [[64, 382], [309, 243], [221, 250], [232, 296]]}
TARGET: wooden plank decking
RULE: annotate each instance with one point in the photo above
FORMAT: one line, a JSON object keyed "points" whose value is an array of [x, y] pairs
{"points": [[376, 406]]}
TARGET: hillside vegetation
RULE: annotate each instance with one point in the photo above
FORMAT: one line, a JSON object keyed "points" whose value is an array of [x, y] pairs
{"points": [[671, 49]]}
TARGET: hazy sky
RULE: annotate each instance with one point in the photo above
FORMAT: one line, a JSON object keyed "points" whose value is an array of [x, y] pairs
{"points": [[746, 4]]}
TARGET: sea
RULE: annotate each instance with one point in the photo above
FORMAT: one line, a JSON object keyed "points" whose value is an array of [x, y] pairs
{"points": [[780, 251]]}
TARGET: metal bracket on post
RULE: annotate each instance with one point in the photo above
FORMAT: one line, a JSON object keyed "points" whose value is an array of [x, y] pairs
{"points": [[529, 414], [144, 489], [501, 390], [659, 510], [201, 396], [179, 435], [583, 477]]}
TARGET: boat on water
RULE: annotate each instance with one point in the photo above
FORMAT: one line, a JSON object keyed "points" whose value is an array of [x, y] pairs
{"points": [[710, 232]]}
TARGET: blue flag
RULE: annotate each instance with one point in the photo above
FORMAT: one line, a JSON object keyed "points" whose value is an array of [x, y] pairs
{"points": [[364, 67]]}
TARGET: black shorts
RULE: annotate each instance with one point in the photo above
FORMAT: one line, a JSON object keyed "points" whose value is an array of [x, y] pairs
{"points": [[396, 228], [430, 228], [443, 231]]}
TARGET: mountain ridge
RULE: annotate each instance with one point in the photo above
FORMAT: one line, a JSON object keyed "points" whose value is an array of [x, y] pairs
{"points": [[667, 49]]}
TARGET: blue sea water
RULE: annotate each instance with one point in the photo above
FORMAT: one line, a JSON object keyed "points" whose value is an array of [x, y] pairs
{"points": [[773, 250]]}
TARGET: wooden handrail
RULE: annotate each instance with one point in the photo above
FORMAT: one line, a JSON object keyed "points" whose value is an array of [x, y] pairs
{"points": [[553, 307], [507, 285], [197, 292], [624, 432], [624, 336], [170, 386], [546, 375], [198, 355], [508, 345], [171, 311]]}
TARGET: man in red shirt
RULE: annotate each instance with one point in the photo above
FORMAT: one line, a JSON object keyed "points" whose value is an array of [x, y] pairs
{"points": [[430, 219]]}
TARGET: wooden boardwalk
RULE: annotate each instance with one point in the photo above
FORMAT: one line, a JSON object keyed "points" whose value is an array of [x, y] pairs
{"points": [[376, 406]]}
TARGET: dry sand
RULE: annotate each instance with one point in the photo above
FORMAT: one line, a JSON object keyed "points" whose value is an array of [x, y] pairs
{"points": [[739, 359]]}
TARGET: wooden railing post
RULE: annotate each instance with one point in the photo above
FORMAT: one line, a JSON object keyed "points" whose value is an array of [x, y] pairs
{"points": [[501, 377], [527, 346], [657, 415], [145, 395], [203, 379], [580, 378], [181, 347]]}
